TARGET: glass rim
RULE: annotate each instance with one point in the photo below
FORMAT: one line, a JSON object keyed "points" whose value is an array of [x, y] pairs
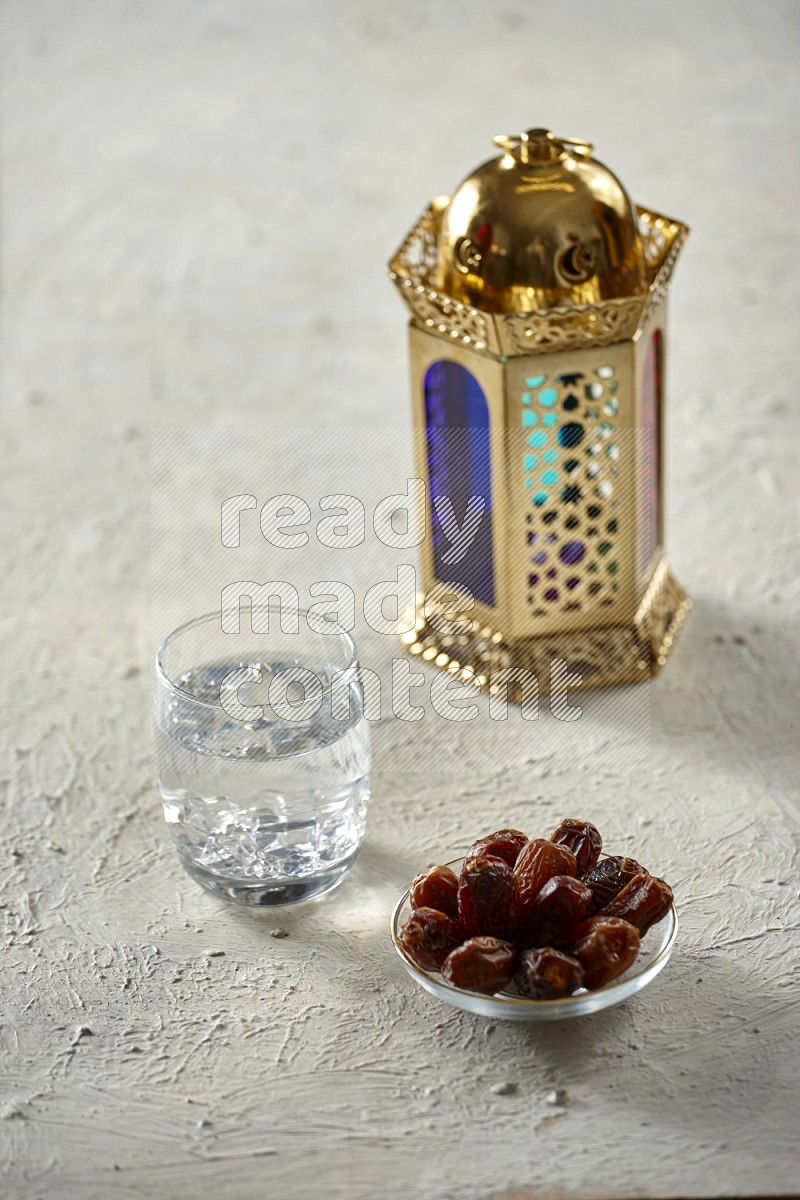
{"points": [[337, 630]]}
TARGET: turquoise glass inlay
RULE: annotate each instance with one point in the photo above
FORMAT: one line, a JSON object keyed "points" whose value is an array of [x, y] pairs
{"points": [[529, 461], [535, 381], [526, 397], [528, 418], [550, 456], [539, 438], [550, 476], [540, 498], [549, 418], [529, 482], [547, 397]]}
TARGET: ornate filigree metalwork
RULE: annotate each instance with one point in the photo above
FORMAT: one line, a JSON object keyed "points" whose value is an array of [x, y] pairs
{"points": [[659, 235], [413, 268], [663, 240], [607, 657], [589, 325], [457, 322]]}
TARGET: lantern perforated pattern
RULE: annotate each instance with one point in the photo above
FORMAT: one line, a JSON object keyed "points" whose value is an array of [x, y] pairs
{"points": [[570, 463]]}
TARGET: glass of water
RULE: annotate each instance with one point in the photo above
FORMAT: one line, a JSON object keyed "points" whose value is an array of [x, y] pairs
{"points": [[263, 753]]}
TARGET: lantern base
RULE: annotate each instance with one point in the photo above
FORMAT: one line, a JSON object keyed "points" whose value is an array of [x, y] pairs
{"points": [[603, 657]]}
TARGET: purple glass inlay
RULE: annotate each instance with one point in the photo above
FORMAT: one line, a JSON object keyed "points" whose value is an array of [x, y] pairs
{"points": [[457, 419], [572, 553]]}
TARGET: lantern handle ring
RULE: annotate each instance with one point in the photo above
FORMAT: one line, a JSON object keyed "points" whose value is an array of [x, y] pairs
{"points": [[539, 145]]}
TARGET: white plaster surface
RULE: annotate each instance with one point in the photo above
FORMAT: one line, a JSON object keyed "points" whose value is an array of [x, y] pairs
{"points": [[198, 201]]}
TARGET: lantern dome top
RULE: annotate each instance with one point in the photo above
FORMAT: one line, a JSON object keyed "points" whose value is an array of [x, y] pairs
{"points": [[542, 225]]}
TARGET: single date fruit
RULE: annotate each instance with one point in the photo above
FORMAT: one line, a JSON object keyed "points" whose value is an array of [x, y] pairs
{"points": [[486, 898], [538, 862], [643, 902], [437, 888], [483, 964], [609, 877], [606, 947], [505, 844], [547, 974], [428, 937], [583, 839], [561, 905]]}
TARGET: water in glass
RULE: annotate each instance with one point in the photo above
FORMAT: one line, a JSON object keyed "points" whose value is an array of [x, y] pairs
{"points": [[266, 811]]}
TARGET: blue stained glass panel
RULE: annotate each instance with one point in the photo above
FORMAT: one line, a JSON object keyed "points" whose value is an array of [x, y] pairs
{"points": [[459, 468]]}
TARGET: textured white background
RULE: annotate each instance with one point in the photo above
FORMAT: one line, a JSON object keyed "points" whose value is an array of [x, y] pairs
{"points": [[198, 201]]}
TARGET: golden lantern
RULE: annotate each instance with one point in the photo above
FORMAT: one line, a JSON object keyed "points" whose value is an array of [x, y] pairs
{"points": [[537, 295]]}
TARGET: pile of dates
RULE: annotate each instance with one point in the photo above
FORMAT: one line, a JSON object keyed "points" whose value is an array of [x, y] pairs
{"points": [[545, 915]]}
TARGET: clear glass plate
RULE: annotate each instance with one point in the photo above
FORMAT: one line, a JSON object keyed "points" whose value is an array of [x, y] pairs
{"points": [[505, 1006]]}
